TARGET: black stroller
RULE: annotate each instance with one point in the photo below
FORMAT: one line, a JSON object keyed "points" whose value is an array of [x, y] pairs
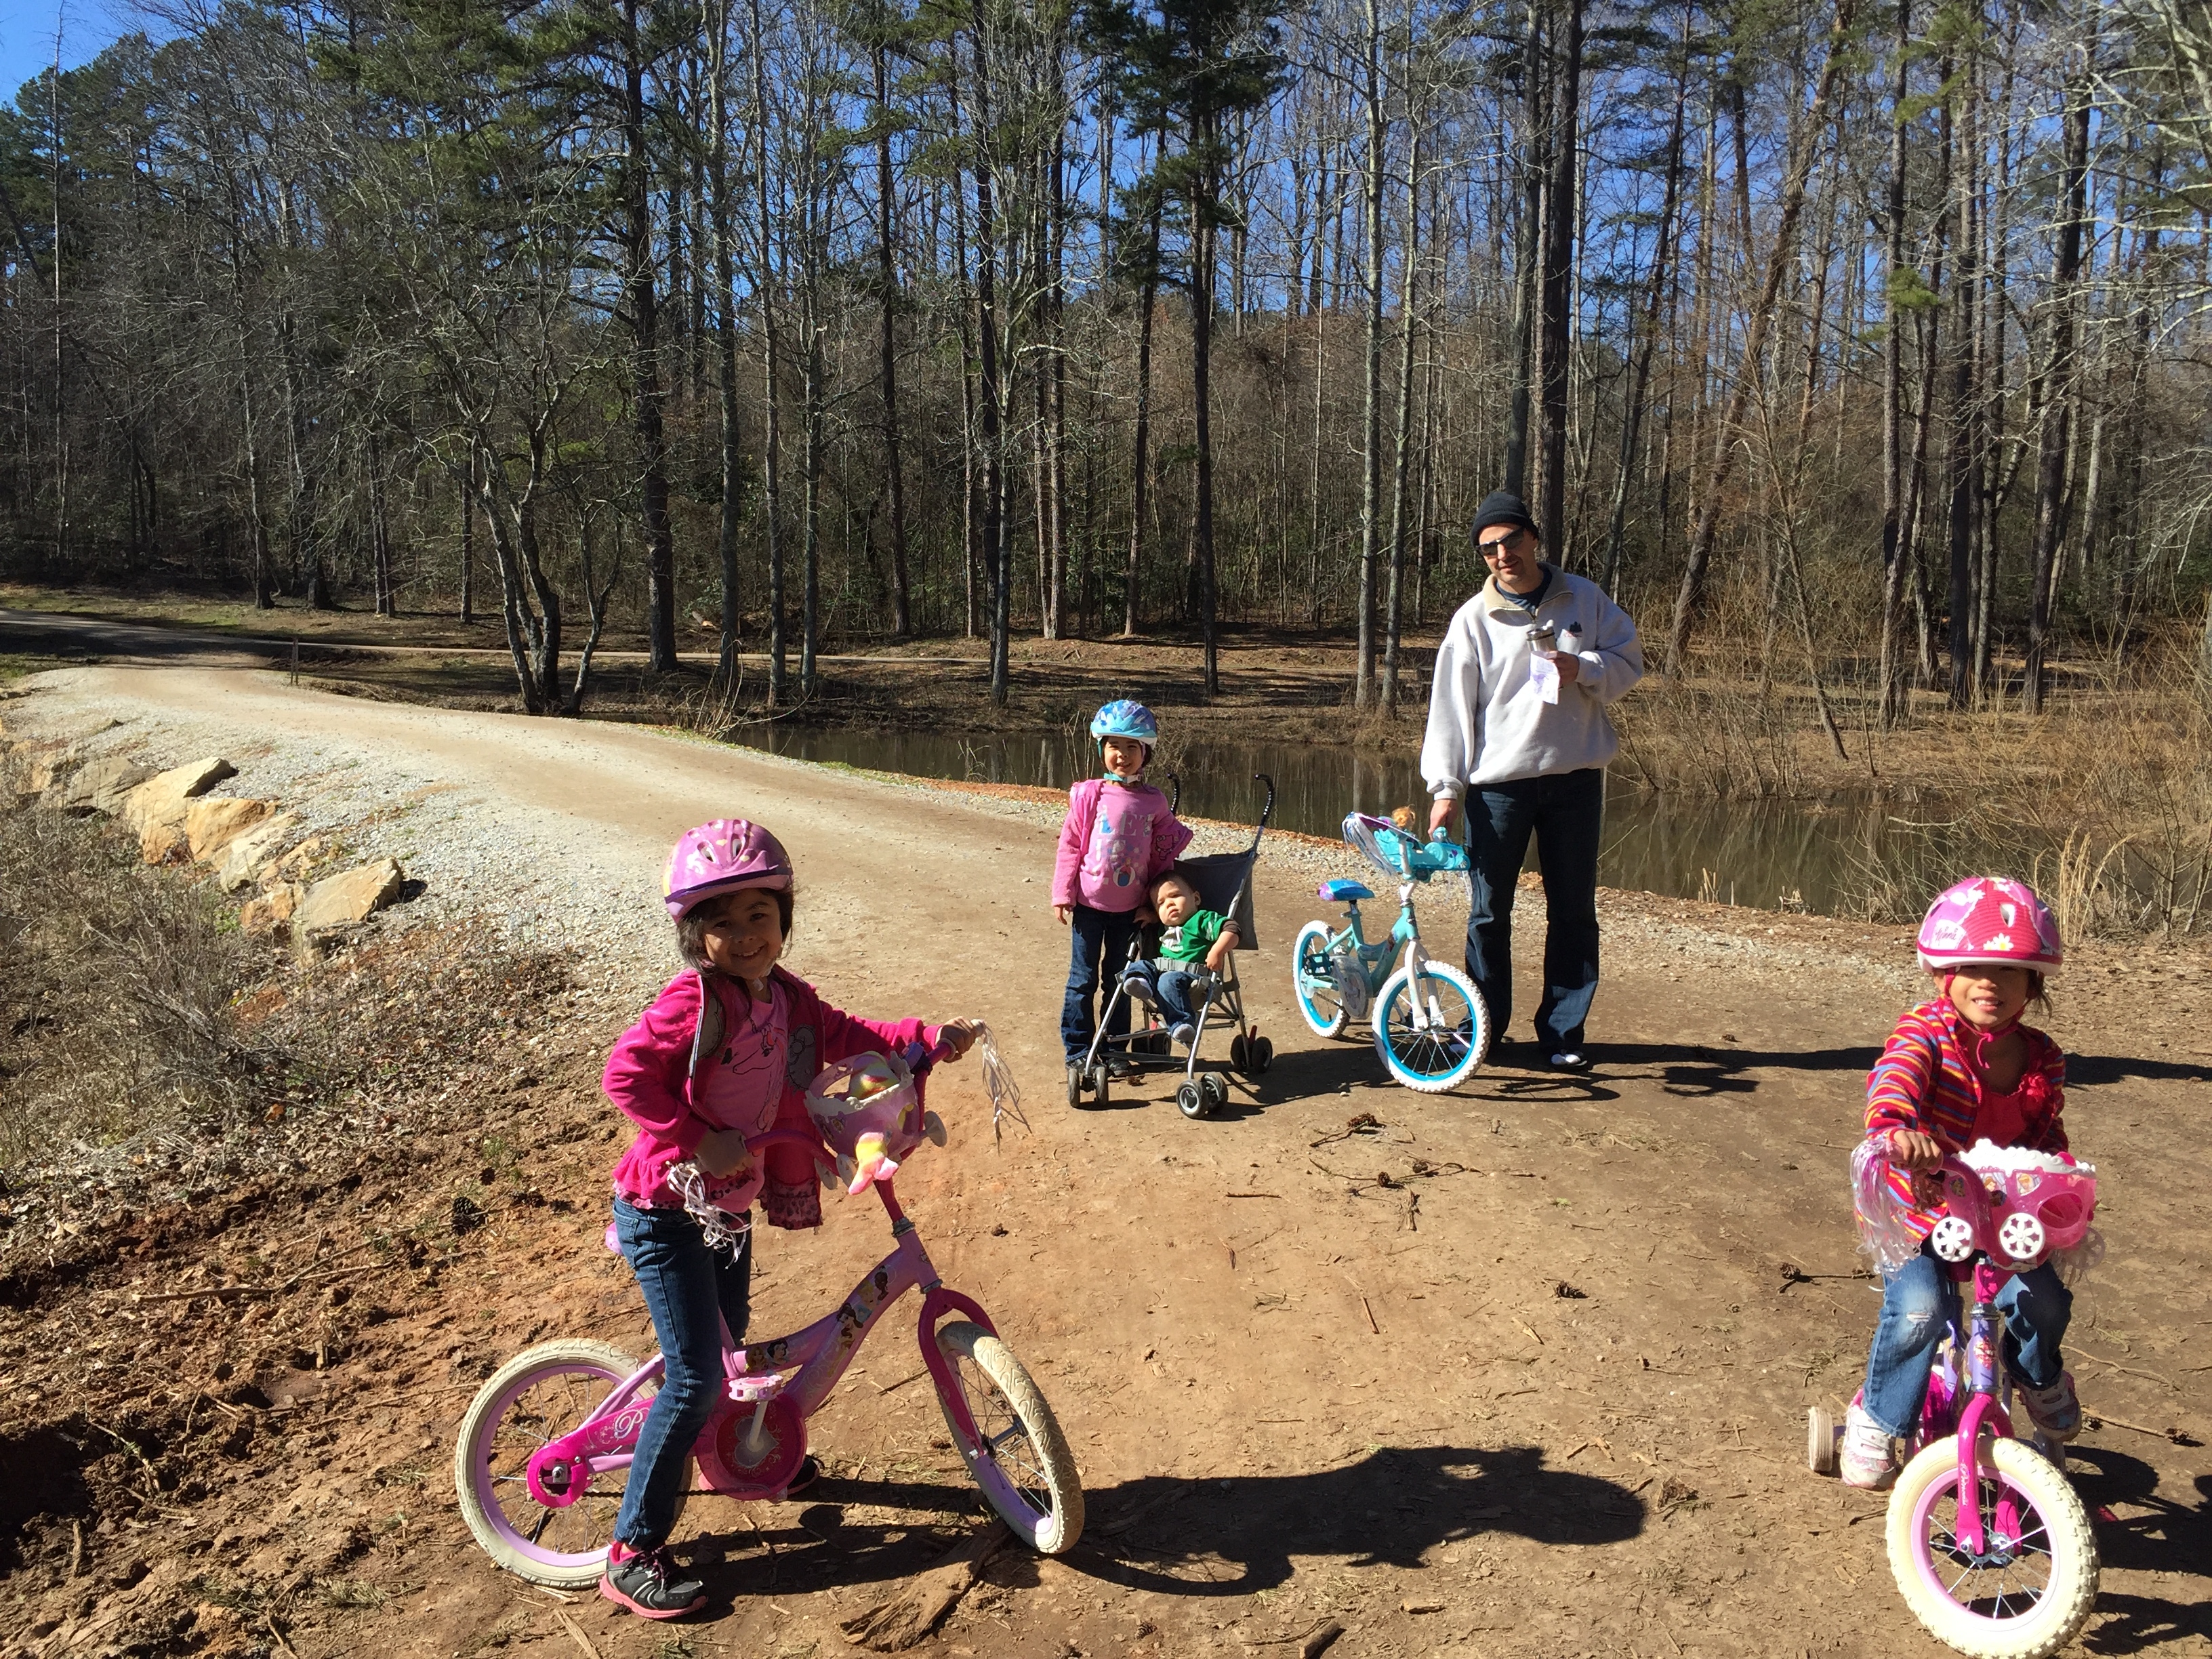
{"points": [[1223, 881]]}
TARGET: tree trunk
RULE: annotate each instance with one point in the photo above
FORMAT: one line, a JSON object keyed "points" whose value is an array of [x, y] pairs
{"points": [[1370, 442], [1964, 458], [887, 274], [771, 403], [1140, 461], [992, 410], [1554, 342], [1401, 460], [2061, 393], [726, 343], [1690, 597], [1201, 377], [1536, 167], [1640, 373], [644, 361]]}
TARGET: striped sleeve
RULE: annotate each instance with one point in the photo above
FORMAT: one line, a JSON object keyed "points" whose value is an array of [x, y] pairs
{"points": [[1899, 1085]]}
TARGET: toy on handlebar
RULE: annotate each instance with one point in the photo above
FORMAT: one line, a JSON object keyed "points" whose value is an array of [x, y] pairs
{"points": [[868, 1110], [1401, 853], [2017, 1207]]}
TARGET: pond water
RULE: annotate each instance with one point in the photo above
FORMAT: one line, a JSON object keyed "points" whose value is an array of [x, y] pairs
{"points": [[1832, 858]]}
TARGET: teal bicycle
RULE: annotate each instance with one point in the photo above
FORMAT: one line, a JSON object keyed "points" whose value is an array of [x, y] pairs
{"points": [[1430, 1024]]}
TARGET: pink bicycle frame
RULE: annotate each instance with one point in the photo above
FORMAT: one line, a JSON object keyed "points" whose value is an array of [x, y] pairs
{"points": [[1985, 1330], [799, 1370]]}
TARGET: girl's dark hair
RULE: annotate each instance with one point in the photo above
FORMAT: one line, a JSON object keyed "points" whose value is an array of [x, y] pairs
{"points": [[691, 929]]}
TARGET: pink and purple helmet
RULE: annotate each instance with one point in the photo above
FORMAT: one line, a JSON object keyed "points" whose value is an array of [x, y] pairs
{"points": [[1990, 919], [722, 857]]}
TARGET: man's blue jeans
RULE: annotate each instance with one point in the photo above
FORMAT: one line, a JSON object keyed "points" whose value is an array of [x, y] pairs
{"points": [[689, 1291], [1565, 812], [1099, 933], [1920, 1299]]}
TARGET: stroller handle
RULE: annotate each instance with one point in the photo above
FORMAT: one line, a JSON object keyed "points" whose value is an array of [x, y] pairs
{"points": [[1175, 793], [1267, 810]]}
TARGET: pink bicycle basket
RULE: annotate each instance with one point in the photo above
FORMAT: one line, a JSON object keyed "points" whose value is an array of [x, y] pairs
{"points": [[868, 1109]]}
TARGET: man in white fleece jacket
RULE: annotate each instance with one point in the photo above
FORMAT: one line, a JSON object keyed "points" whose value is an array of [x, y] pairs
{"points": [[1517, 724]]}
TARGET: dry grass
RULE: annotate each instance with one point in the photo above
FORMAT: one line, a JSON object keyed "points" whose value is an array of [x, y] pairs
{"points": [[2104, 801], [140, 1033], [115, 991]]}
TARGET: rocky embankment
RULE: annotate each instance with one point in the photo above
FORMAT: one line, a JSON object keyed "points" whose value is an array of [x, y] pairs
{"points": [[290, 880]]}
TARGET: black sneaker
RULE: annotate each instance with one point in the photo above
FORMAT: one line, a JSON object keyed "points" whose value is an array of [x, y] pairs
{"points": [[646, 1582]]}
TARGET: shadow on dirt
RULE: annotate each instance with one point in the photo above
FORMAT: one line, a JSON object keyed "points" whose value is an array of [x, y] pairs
{"points": [[2162, 1535], [46, 1483], [2091, 1069], [1208, 1538], [1195, 1538]]}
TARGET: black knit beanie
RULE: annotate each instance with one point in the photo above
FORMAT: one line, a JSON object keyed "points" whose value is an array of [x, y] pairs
{"points": [[1502, 507]]}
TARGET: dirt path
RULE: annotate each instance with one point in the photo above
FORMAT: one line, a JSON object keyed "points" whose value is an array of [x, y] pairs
{"points": [[1554, 1391]]}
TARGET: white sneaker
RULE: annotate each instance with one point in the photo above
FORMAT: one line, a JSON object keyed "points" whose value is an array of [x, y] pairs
{"points": [[1185, 1034], [1869, 1461]]}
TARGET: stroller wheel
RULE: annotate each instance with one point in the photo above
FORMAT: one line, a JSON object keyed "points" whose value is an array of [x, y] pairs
{"points": [[1099, 1085], [1190, 1100], [1075, 1085], [1215, 1088], [1240, 1054], [1263, 1054]]}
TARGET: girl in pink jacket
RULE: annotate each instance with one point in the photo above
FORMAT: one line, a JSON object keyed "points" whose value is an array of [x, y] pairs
{"points": [[1119, 837], [725, 1052]]}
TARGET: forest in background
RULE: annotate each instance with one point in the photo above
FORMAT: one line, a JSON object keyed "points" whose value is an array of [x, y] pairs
{"points": [[1857, 346]]}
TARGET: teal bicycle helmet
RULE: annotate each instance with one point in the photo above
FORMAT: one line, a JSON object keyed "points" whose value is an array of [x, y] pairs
{"points": [[1124, 718]]}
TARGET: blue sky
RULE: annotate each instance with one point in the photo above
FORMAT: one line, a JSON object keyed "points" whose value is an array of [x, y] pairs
{"points": [[26, 35]]}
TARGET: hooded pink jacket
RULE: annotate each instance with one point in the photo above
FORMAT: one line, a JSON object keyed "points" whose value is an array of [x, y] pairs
{"points": [[657, 1073], [1116, 841]]}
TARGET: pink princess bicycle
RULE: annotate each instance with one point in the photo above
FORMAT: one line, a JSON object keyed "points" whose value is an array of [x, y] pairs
{"points": [[1990, 1545], [546, 1447]]}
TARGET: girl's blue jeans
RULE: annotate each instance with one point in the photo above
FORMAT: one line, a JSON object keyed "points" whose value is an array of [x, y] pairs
{"points": [[690, 1291], [1918, 1302], [1098, 934]]}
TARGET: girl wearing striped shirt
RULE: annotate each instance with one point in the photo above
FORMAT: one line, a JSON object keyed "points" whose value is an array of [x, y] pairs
{"points": [[1959, 1069]]}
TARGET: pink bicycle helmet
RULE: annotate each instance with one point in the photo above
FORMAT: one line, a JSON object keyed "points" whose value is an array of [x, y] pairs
{"points": [[1990, 919], [722, 857]]}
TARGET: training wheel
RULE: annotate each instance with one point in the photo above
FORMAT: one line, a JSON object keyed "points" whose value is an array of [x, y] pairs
{"points": [[1820, 1440]]}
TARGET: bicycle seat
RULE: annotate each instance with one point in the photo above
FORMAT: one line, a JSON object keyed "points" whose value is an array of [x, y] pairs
{"points": [[1343, 891]]}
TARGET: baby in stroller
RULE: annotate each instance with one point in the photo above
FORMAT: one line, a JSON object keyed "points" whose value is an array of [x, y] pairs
{"points": [[1195, 942], [1188, 973]]}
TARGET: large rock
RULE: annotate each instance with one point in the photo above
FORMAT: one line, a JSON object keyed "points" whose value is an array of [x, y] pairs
{"points": [[213, 824], [243, 859], [161, 800], [35, 767], [156, 808], [269, 916], [295, 864], [101, 786], [352, 895]]}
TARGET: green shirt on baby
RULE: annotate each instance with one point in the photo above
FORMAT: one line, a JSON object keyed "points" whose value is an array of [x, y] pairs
{"points": [[1194, 938]]}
